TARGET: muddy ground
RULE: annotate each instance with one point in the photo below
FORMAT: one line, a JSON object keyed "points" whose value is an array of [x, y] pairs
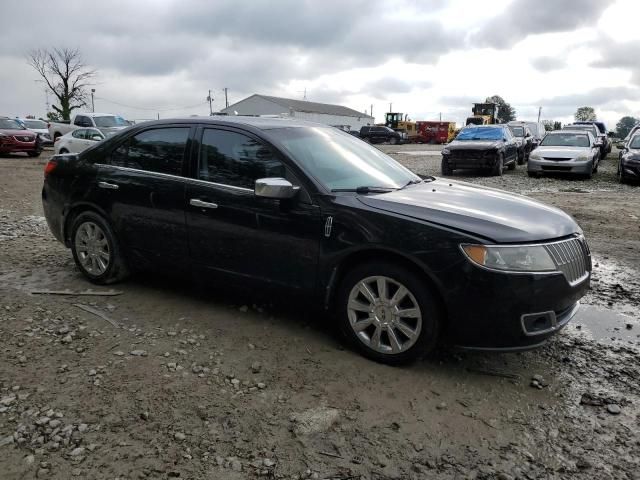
{"points": [[175, 380]]}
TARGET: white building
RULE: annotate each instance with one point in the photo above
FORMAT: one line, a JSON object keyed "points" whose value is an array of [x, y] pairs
{"points": [[311, 111]]}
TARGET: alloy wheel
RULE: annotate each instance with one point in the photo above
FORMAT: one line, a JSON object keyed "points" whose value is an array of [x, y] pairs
{"points": [[92, 248], [384, 315]]}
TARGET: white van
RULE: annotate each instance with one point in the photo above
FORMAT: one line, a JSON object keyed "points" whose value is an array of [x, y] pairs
{"points": [[537, 130]]}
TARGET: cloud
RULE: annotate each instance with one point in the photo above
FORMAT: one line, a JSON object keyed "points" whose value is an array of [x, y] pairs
{"points": [[548, 64], [529, 17], [619, 55], [594, 98]]}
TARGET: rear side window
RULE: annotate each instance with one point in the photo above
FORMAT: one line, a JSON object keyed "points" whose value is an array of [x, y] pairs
{"points": [[231, 158], [80, 133], [159, 150]]}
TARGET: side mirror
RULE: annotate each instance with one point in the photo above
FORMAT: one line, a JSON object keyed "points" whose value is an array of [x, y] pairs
{"points": [[277, 188], [96, 137]]}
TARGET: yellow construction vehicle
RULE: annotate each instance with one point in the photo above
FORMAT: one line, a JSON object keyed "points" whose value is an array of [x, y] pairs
{"points": [[483, 114], [401, 124]]}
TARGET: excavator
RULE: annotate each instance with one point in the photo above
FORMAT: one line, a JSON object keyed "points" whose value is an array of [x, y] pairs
{"points": [[401, 124], [483, 114]]}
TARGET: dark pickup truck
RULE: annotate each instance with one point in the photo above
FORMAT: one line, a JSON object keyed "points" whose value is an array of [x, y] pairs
{"points": [[380, 135]]}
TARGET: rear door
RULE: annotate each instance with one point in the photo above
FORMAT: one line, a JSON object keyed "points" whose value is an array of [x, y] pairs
{"points": [[235, 233], [75, 143], [142, 188]]}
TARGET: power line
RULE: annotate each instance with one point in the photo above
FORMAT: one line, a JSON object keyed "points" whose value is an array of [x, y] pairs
{"points": [[151, 109]]}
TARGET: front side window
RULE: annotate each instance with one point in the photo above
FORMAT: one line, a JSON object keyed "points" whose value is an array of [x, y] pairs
{"points": [[159, 150], [635, 142], [231, 158], [82, 121], [110, 121], [518, 131]]}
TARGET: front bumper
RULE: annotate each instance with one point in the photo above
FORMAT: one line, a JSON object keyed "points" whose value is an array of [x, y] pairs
{"points": [[560, 166], [510, 312], [10, 145]]}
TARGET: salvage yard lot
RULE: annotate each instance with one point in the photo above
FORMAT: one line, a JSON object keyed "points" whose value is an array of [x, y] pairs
{"points": [[199, 382]]}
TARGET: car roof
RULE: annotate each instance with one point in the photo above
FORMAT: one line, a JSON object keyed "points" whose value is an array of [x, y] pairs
{"points": [[569, 130], [496, 125], [261, 123]]}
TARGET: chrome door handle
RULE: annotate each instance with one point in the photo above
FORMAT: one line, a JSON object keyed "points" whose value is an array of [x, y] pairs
{"points": [[108, 186], [199, 203]]}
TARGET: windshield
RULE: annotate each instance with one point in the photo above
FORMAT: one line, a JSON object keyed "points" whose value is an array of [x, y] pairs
{"points": [[480, 134], [37, 124], [338, 160], [10, 124], [635, 142], [518, 131], [110, 121], [565, 140]]}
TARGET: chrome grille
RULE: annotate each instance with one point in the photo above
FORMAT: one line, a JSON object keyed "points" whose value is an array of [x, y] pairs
{"points": [[23, 138], [572, 257]]}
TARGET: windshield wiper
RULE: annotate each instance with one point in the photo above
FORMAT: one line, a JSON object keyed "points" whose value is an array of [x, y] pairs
{"points": [[364, 189]]}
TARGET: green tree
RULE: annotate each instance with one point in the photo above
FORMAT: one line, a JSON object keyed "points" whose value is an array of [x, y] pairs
{"points": [[550, 125], [506, 112], [624, 126], [65, 75], [53, 117], [585, 114]]}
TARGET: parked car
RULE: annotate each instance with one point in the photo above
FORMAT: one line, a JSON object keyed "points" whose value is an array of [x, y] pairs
{"points": [[565, 151], [377, 134], [593, 130], [602, 129], [629, 161], [536, 128], [522, 134], [105, 122], [78, 140], [488, 147], [631, 134], [318, 214], [16, 138], [39, 127]]}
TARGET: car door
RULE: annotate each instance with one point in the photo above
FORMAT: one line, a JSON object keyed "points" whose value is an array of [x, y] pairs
{"points": [[511, 147], [141, 187], [242, 236]]}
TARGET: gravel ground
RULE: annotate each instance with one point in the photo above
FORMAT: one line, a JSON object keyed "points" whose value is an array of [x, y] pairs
{"points": [[169, 379]]}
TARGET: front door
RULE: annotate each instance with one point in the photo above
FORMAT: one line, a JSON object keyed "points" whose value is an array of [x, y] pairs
{"points": [[142, 188], [233, 232]]}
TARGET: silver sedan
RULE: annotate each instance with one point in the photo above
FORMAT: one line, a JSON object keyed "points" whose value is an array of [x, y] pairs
{"points": [[565, 151]]}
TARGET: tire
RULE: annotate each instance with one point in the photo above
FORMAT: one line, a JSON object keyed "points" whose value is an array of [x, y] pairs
{"points": [[498, 168], [414, 337], [96, 250], [522, 159], [445, 168], [63, 151], [34, 154], [620, 175], [393, 140], [513, 165], [533, 174]]}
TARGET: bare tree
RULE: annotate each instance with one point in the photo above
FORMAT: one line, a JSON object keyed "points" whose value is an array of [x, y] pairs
{"points": [[65, 74]]}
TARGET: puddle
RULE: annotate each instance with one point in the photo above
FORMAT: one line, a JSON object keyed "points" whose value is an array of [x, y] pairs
{"points": [[419, 153], [615, 285], [605, 326]]}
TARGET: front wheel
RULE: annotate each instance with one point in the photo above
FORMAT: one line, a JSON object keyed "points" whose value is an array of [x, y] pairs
{"points": [[498, 168], [388, 313], [35, 153], [393, 140], [95, 249], [445, 168]]}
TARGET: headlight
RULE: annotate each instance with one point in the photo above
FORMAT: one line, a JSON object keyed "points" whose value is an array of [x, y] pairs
{"points": [[445, 151], [526, 258], [582, 158], [534, 156]]}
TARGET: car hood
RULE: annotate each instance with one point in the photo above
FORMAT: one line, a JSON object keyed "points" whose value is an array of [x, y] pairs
{"points": [[493, 214], [561, 152], [16, 132], [473, 145]]}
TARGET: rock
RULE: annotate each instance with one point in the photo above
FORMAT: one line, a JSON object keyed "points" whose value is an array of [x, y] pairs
{"points": [[92, 373], [256, 367], [629, 326], [236, 466], [76, 452], [614, 409], [42, 473], [83, 427], [29, 459], [179, 436], [138, 353], [441, 406], [6, 401], [261, 385], [6, 440], [244, 309], [314, 420], [267, 462], [119, 353], [55, 423], [67, 339]]}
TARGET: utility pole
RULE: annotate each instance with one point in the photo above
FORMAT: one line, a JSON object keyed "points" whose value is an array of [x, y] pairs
{"points": [[226, 98], [210, 100], [390, 105], [93, 106], [372, 111], [440, 116], [539, 113]]}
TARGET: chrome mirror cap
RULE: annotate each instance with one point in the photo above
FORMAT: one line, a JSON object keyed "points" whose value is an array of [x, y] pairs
{"points": [[275, 188]]}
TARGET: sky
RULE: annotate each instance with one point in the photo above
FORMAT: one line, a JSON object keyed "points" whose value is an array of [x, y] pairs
{"points": [[425, 57]]}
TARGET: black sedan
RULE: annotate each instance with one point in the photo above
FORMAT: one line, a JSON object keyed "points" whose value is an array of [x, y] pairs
{"points": [[629, 163], [399, 262], [487, 147]]}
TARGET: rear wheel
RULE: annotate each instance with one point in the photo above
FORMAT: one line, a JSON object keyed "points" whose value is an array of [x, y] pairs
{"points": [[388, 313], [512, 165], [620, 175], [95, 249], [393, 140], [63, 151], [445, 168]]}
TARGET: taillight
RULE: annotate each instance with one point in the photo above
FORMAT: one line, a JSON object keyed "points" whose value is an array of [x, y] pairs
{"points": [[50, 167]]}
